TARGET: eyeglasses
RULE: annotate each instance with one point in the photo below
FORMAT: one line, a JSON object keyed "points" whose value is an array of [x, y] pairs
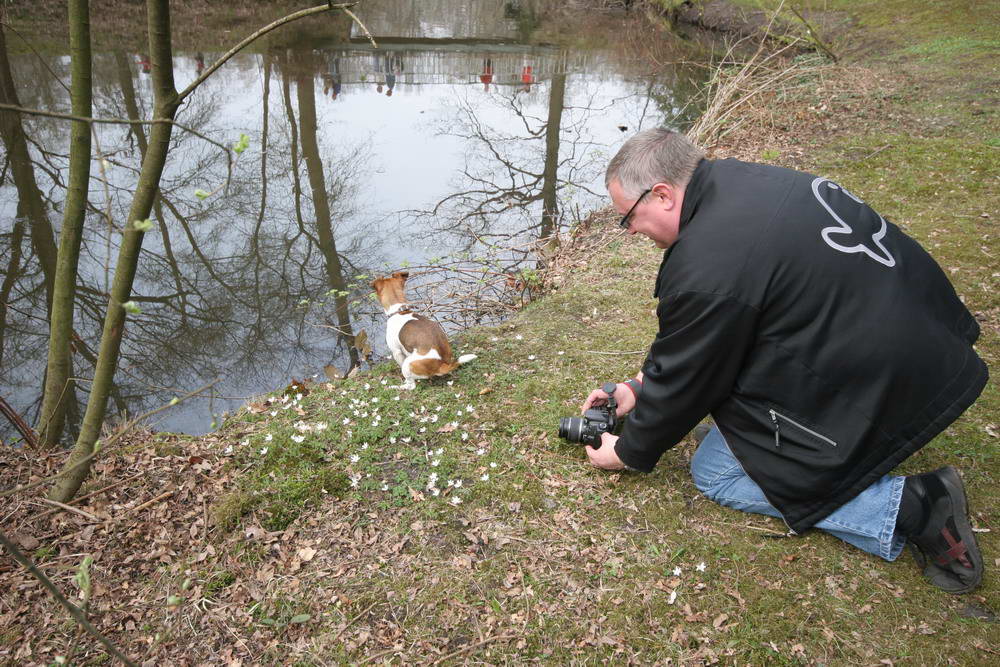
{"points": [[624, 224]]}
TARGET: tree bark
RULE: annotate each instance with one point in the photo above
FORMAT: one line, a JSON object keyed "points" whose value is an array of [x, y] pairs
{"points": [[165, 105], [59, 370]]}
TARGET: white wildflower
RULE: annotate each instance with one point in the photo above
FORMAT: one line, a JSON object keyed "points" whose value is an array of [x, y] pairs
{"points": [[455, 500], [268, 438], [493, 464], [480, 451], [436, 462], [531, 357], [355, 458], [518, 337], [298, 438], [672, 598], [465, 436], [677, 571], [485, 477], [263, 451], [700, 566]]}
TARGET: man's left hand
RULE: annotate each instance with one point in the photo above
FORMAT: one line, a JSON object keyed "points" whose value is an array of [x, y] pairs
{"points": [[605, 457]]}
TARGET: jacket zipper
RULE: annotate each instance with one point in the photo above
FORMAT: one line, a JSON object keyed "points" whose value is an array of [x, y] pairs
{"points": [[777, 429]]}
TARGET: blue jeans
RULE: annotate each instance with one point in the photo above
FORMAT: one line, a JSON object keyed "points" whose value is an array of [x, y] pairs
{"points": [[868, 521]]}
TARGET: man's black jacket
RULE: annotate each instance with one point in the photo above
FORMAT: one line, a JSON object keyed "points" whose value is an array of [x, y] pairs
{"points": [[827, 345]]}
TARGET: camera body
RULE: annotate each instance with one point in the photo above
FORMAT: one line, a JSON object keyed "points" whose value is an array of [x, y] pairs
{"points": [[587, 429]]}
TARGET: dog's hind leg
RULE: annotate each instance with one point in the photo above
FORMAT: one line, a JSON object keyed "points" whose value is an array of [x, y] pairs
{"points": [[409, 379]]}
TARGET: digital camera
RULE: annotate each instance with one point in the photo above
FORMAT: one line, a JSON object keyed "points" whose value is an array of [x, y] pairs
{"points": [[587, 429]]}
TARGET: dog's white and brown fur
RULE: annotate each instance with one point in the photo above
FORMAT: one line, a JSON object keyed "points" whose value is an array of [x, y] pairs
{"points": [[418, 344]]}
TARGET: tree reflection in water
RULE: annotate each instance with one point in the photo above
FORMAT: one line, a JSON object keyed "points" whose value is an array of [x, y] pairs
{"points": [[269, 281]]}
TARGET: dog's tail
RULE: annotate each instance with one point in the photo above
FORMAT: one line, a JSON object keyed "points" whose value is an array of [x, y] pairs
{"points": [[444, 369]]}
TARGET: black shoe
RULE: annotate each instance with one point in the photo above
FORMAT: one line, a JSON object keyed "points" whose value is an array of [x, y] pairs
{"points": [[946, 547]]}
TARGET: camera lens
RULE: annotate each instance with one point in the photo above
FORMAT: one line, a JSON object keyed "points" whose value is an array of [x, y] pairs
{"points": [[571, 428]]}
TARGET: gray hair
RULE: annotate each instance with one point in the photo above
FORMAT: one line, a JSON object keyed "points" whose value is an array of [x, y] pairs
{"points": [[653, 156]]}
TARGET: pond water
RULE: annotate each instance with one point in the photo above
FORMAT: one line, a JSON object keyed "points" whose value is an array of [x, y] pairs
{"points": [[472, 131]]}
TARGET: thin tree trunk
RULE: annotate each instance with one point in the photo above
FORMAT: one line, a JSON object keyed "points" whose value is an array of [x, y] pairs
{"points": [[166, 102], [58, 385]]}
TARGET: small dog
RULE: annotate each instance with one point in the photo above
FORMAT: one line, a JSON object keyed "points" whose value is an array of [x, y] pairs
{"points": [[418, 344]]}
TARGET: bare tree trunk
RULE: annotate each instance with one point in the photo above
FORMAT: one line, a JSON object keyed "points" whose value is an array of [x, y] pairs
{"points": [[165, 106], [59, 370]]}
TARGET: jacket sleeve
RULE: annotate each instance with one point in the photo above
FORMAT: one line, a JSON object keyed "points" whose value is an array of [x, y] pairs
{"points": [[691, 368]]}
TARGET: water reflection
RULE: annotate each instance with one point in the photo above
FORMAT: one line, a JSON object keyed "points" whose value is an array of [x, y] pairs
{"points": [[457, 134]]}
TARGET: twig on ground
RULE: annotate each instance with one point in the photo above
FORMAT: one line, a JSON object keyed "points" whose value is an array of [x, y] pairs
{"points": [[68, 508], [153, 501]]}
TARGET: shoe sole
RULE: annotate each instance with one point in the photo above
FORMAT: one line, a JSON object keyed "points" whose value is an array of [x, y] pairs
{"points": [[956, 491]]}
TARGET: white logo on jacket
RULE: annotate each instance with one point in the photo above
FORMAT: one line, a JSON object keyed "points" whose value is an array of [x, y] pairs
{"points": [[880, 254]]}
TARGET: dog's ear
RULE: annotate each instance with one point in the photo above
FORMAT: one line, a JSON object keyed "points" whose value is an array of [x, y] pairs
{"points": [[376, 283], [402, 275]]}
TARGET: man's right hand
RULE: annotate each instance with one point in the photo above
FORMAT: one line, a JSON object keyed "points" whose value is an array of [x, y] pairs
{"points": [[623, 395]]}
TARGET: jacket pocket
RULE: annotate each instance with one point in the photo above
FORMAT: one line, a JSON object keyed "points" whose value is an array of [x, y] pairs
{"points": [[796, 431]]}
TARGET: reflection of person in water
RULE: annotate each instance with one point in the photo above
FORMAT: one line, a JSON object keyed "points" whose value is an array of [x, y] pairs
{"points": [[331, 80], [487, 76], [527, 77], [144, 63], [378, 72], [199, 63], [393, 66]]}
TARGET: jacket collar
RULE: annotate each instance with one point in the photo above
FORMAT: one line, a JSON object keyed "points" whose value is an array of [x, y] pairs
{"points": [[693, 193]]}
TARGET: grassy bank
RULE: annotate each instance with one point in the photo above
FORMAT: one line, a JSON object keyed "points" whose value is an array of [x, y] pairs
{"points": [[351, 522]]}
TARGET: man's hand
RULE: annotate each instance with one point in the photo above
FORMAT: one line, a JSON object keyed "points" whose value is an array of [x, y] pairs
{"points": [[623, 395], [605, 457]]}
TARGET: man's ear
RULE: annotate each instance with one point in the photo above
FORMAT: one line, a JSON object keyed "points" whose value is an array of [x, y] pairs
{"points": [[666, 193]]}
